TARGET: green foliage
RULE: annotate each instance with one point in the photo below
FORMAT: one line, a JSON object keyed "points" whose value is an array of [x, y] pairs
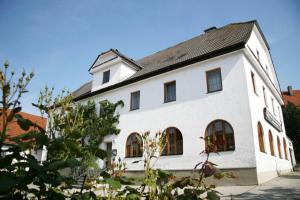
{"points": [[72, 138], [291, 115], [163, 185]]}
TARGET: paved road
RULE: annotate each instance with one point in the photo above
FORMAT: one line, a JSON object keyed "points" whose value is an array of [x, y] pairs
{"points": [[284, 187]]}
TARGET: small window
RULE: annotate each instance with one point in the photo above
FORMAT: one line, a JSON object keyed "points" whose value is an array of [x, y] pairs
{"points": [[174, 142], [135, 100], [261, 137], [265, 97], [271, 143], [257, 55], [253, 82], [134, 146], [272, 100], [279, 114], [214, 80], [106, 75], [267, 70], [219, 136], [170, 91], [102, 110]]}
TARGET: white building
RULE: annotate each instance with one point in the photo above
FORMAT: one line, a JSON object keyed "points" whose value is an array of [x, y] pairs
{"points": [[222, 83]]}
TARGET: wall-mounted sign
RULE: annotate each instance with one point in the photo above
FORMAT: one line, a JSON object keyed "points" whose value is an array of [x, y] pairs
{"points": [[272, 120]]}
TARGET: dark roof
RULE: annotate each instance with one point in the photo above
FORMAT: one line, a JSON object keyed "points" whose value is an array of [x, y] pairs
{"points": [[84, 89], [213, 43]]}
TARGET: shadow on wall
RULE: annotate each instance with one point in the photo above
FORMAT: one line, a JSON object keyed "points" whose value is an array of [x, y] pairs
{"points": [[270, 193]]}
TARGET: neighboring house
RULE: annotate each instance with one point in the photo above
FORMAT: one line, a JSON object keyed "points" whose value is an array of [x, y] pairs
{"points": [[221, 84], [292, 96], [14, 130]]}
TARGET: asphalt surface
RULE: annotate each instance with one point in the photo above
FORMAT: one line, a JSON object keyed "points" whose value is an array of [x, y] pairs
{"points": [[283, 187]]}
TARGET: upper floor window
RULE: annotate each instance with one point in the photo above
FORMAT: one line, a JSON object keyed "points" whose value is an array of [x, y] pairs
{"points": [[253, 81], [219, 136], [272, 100], [170, 91], [261, 137], [106, 76], [134, 146], [135, 100], [279, 113], [257, 55], [214, 80], [267, 70], [265, 97], [271, 143], [174, 142]]}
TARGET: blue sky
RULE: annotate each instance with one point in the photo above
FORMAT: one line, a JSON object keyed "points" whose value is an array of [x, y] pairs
{"points": [[59, 40]]}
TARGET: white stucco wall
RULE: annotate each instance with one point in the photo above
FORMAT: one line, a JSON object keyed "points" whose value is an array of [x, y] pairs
{"points": [[256, 43], [268, 166], [119, 70], [192, 111]]}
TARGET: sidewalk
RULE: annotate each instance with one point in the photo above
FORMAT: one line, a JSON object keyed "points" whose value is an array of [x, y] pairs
{"points": [[283, 187]]}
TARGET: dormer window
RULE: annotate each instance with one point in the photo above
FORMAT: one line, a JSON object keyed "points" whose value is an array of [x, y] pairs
{"points": [[105, 66], [106, 75]]}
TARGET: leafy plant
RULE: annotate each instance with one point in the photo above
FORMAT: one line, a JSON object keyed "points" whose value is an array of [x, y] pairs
{"points": [[72, 139], [161, 184], [291, 115]]}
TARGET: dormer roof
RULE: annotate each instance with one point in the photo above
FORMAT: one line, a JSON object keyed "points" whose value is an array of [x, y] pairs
{"points": [[114, 54]]}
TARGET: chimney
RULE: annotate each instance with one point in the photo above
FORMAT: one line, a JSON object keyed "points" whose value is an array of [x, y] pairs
{"points": [[290, 90], [210, 29]]}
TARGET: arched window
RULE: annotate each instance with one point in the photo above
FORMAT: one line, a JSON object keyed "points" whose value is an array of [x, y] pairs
{"points": [[220, 134], [284, 149], [279, 147], [261, 137], [271, 143], [174, 142], [134, 146]]}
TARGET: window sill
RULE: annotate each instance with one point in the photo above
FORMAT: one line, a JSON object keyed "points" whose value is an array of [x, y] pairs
{"points": [[224, 151], [171, 155], [134, 109], [169, 101], [263, 152], [133, 157], [208, 92]]}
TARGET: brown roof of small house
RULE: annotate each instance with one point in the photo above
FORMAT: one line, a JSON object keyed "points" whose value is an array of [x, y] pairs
{"points": [[294, 98], [207, 45]]}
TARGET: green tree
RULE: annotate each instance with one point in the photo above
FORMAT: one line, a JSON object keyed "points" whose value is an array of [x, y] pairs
{"points": [[291, 115], [22, 176]]}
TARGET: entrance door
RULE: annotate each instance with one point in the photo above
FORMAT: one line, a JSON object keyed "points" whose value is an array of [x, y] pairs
{"points": [[292, 157], [109, 151]]}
